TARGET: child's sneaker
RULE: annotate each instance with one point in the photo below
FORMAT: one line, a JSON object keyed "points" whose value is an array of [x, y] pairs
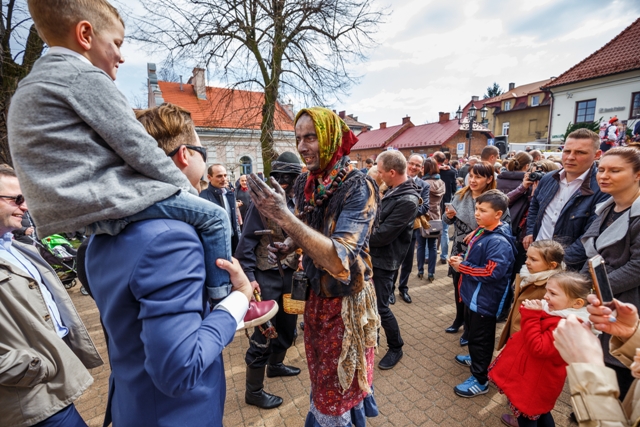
{"points": [[464, 360], [259, 313], [471, 388]]}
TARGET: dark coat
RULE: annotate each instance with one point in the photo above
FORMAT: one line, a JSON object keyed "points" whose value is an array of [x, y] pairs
{"points": [[245, 198], [214, 194], [424, 189], [518, 202], [575, 218], [449, 177], [389, 243], [619, 246], [486, 271]]}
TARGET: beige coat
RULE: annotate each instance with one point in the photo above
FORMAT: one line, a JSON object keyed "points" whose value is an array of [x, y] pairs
{"points": [[594, 390], [535, 290], [40, 374]]}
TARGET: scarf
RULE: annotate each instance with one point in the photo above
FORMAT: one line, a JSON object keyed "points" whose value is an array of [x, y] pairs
{"points": [[529, 278], [335, 140], [581, 313], [429, 176]]}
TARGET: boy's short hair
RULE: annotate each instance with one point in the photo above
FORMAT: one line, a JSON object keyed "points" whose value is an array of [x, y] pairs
{"points": [[171, 126], [55, 18], [496, 199]]}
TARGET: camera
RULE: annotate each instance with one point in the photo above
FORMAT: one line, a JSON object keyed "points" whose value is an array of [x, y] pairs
{"points": [[536, 175]]}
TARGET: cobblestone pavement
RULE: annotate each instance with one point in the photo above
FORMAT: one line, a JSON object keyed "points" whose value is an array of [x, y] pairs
{"points": [[417, 392]]}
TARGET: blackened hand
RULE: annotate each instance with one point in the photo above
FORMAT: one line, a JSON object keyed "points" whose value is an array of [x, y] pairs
{"points": [[272, 203], [278, 250]]}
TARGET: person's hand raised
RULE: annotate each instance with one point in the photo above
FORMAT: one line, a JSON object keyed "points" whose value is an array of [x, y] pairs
{"points": [[271, 202], [619, 320]]}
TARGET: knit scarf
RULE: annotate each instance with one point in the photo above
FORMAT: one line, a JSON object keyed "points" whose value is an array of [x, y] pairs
{"points": [[581, 313], [335, 140], [529, 278]]}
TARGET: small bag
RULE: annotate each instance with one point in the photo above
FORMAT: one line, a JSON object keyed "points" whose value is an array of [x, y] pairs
{"points": [[295, 301], [434, 230]]}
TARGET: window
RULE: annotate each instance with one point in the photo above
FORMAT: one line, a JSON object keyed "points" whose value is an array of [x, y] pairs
{"points": [[585, 111], [535, 100], [507, 105], [635, 106], [505, 128]]}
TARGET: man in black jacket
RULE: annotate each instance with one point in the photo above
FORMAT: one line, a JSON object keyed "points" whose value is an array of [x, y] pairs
{"points": [[389, 243], [219, 193], [414, 171]]}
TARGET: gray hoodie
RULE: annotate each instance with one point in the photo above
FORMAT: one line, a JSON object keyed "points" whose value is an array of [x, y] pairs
{"points": [[79, 152]]}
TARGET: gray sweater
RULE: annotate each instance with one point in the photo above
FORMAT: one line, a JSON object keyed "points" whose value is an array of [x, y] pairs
{"points": [[79, 152]]}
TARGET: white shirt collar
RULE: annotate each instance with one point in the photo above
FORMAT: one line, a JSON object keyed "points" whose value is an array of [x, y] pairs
{"points": [[563, 175], [59, 50]]}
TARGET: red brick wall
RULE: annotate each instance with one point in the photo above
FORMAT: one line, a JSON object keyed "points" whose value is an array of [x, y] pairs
{"points": [[478, 142]]}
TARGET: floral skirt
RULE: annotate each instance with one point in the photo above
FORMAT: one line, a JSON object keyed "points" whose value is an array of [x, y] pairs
{"points": [[323, 333]]}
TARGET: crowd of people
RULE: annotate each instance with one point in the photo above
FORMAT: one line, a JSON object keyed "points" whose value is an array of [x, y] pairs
{"points": [[170, 295]]}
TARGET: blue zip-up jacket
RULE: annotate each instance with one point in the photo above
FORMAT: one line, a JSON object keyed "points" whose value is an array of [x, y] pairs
{"points": [[575, 218], [486, 271]]}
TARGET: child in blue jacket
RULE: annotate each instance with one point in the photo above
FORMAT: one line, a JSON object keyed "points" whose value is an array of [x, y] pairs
{"points": [[485, 271]]}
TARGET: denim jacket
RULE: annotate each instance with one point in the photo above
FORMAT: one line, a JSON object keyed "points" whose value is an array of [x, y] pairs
{"points": [[575, 218]]}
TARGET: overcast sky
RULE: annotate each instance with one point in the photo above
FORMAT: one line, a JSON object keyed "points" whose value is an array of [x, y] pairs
{"points": [[434, 55]]}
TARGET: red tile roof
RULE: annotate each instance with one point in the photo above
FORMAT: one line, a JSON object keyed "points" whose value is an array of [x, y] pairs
{"points": [[426, 135], [375, 138], [619, 55], [519, 91], [223, 108]]}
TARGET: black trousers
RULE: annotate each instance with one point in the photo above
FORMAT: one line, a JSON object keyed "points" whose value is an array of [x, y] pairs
{"points": [[383, 283], [459, 320], [545, 420], [272, 286], [406, 267], [481, 333]]}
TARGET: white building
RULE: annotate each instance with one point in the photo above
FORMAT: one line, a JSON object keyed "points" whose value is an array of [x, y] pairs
{"points": [[227, 120], [604, 85]]}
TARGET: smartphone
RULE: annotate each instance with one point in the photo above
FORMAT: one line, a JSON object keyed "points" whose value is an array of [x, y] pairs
{"points": [[448, 206], [600, 279]]}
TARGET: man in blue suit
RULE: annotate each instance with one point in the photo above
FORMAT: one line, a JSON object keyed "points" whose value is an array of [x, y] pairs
{"points": [[165, 341]]}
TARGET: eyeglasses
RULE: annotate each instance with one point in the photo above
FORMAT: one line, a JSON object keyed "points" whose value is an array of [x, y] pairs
{"points": [[18, 200], [199, 149]]}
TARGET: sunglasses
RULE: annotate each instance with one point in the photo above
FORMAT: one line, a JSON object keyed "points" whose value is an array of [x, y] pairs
{"points": [[199, 149], [18, 200]]}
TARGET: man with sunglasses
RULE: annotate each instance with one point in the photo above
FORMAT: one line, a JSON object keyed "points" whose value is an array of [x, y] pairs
{"points": [[264, 274], [45, 347]]}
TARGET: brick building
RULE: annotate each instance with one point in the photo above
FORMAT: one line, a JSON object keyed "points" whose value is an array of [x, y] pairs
{"points": [[444, 135]]}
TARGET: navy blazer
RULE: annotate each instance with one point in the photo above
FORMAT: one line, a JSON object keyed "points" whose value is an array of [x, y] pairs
{"points": [[164, 346], [214, 194]]}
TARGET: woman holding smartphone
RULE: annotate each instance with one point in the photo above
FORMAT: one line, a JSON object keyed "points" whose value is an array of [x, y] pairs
{"points": [[615, 236], [461, 213]]}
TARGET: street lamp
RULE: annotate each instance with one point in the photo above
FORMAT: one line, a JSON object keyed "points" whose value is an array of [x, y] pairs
{"points": [[472, 116]]}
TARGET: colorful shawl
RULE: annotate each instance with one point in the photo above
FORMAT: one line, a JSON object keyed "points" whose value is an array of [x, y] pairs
{"points": [[335, 140]]}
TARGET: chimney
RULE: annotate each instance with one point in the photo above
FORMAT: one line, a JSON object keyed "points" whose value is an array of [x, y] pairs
{"points": [[342, 114], [198, 83], [181, 83], [154, 93], [383, 125], [406, 120], [444, 117], [288, 108], [512, 86], [474, 98]]}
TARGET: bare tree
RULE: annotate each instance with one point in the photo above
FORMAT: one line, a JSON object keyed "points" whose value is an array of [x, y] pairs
{"points": [[306, 49], [17, 33]]}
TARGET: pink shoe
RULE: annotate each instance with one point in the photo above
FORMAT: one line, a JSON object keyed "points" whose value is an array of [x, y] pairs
{"points": [[259, 313], [509, 420]]}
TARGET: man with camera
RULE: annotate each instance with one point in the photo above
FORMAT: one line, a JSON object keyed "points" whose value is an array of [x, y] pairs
{"points": [[563, 205]]}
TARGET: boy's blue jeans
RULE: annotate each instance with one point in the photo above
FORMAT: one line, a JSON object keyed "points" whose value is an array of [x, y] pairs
{"points": [[210, 221]]}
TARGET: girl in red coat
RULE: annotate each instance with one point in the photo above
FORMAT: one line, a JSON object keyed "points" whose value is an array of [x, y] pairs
{"points": [[530, 371]]}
